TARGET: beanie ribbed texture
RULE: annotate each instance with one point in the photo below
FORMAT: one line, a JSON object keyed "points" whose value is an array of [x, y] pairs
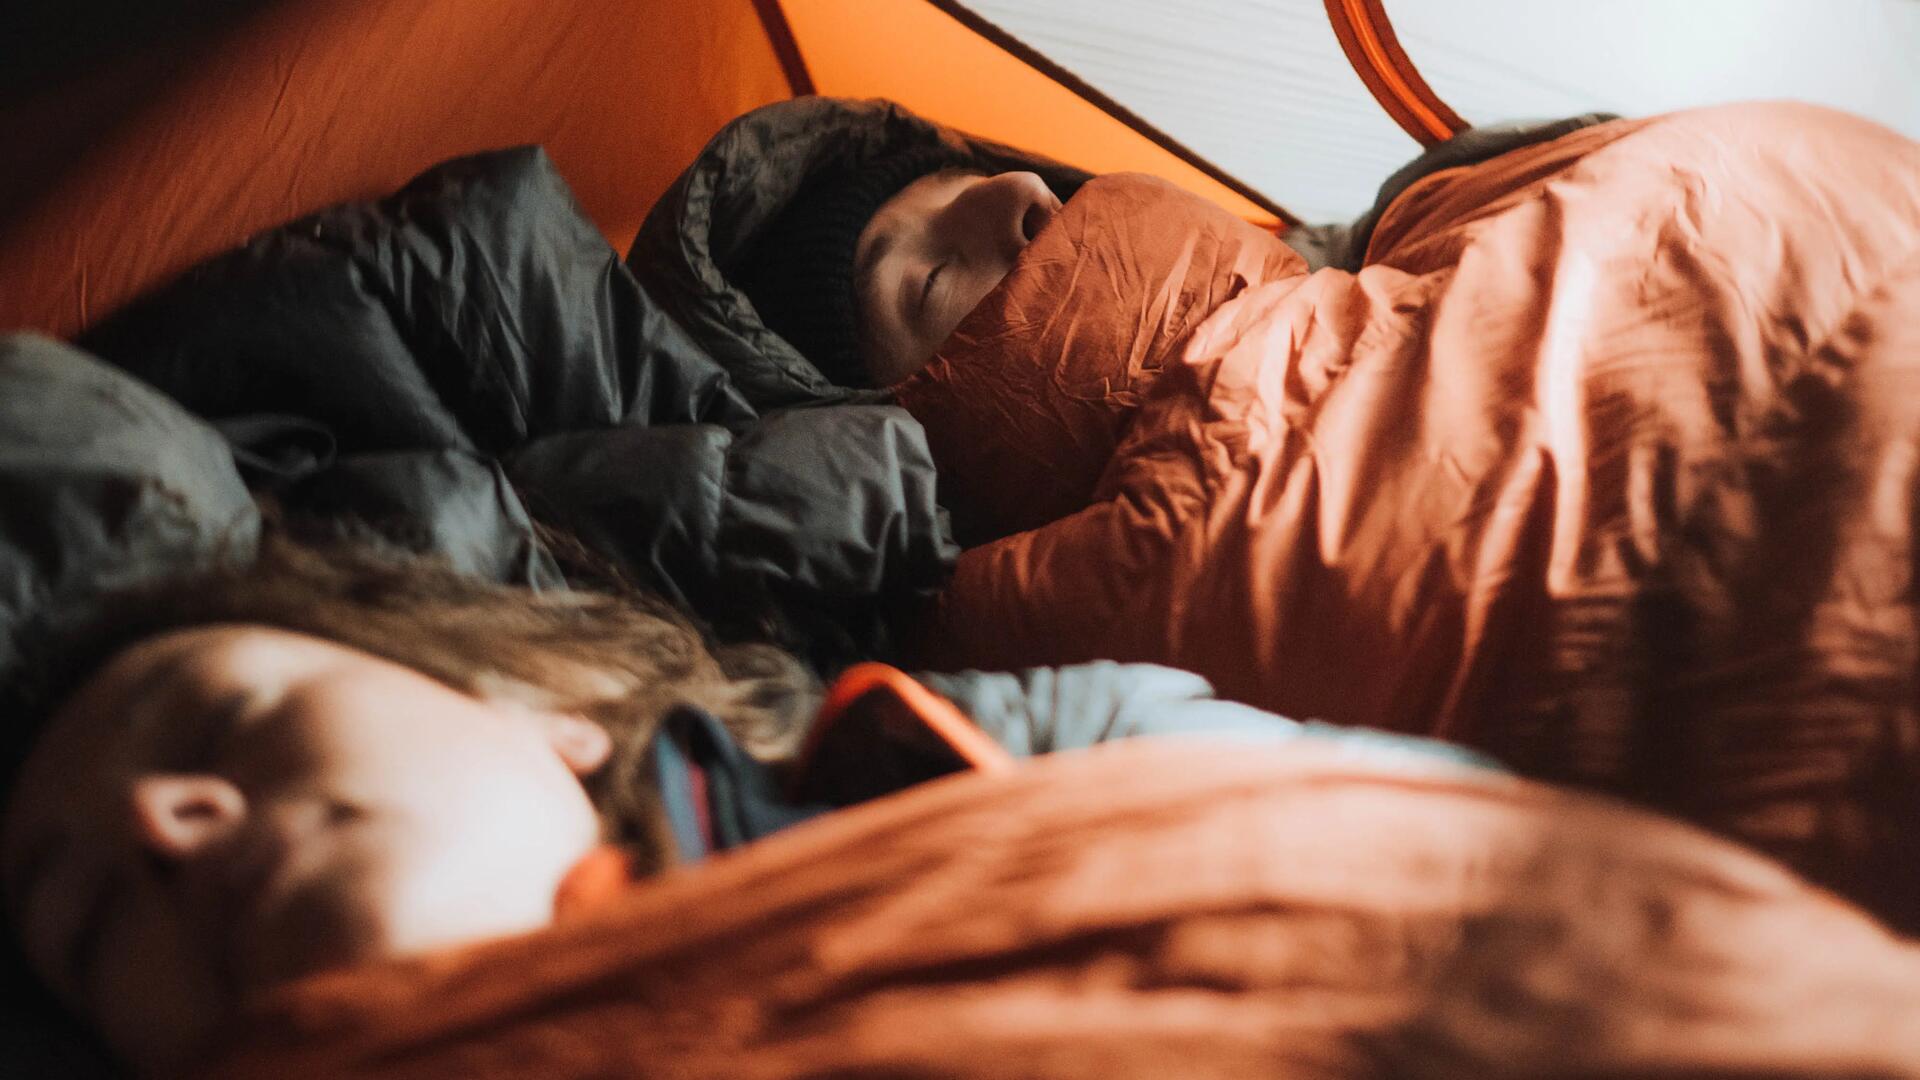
{"points": [[799, 271]]}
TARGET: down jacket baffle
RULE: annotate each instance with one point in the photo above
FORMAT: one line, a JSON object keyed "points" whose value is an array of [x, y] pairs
{"points": [[468, 355]]}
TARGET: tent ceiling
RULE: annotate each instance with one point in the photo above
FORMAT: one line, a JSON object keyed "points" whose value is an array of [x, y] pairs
{"points": [[1264, 91], [133, 153], [1261, 89], [921, 56], [1649, 56]]}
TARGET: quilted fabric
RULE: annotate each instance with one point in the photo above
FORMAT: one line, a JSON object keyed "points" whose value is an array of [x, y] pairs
{"points": [[1152, 909], [1605, 464]]}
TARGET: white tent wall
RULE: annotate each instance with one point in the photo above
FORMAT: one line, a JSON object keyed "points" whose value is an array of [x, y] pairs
{"points": [[1262, 89], [1495, 59]]}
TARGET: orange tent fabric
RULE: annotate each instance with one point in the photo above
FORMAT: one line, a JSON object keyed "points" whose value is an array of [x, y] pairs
{"points": [[925, 59], [1604, 465], [161, 162], [1158, 909], [118, 180]]}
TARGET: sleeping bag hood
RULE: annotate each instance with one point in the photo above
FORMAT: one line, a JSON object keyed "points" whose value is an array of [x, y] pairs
{"points": [[740, 183], [1027, 401]]}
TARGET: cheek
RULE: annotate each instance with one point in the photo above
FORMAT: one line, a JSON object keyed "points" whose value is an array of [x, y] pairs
{"points": [[897, 363], [158, 992], [331, 922], [473, 894], [883, 344], [432, 870], [968, 289], [462, 872]]}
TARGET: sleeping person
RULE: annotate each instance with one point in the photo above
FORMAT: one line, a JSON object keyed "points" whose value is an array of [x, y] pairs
{"points": [[1595, 454], [249, 774], [252, 774], [339, 815]]}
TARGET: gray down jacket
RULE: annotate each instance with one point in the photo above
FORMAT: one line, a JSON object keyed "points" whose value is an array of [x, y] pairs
{"points": [[450, 364], [454, 363]]}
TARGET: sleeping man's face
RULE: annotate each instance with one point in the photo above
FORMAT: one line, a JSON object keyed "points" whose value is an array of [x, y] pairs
{"points": [[223, 808], [933, 252]]}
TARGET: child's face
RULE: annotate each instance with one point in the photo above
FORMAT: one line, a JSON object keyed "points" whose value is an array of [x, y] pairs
{"points": [[223, 808], [931, 253]]}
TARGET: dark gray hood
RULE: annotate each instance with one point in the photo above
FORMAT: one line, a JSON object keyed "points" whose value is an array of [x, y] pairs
{"points": [[740, 182]]}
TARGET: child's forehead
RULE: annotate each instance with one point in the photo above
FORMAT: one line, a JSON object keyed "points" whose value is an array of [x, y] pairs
{"points": [[139, 708], [142, 681]]}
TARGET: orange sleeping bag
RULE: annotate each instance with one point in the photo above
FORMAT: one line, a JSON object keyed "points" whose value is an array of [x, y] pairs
{"points": [[1157, 909], [1606, 463]]}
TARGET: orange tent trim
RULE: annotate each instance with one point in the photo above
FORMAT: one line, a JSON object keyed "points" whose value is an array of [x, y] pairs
{"points": [[1366, 34]]}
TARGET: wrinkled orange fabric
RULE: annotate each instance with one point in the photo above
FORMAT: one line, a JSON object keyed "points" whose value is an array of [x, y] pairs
{"points": [[1033, 390], [1606, 464], [1158, 909]]}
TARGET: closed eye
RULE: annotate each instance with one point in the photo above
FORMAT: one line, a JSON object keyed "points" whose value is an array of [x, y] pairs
{"points": [[926, 286]]}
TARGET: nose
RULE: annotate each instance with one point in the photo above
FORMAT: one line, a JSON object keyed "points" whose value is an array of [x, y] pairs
{"points": [[1010, 209], [179, 817]]}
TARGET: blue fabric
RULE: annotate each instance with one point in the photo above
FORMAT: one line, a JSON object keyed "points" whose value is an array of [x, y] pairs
{"points": [[1046, 710], [744, 798], [670, 770], [1036, 711]]}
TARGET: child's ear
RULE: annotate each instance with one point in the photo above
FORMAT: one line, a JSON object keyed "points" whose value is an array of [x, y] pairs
{"points": [[581, 743]]}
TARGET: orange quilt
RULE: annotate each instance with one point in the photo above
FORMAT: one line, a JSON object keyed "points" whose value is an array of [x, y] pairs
{"points": [[1607, 464], [1158, 909]]}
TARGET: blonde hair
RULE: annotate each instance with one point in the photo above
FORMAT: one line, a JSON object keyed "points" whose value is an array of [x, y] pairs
{"points": [[623, 659]]}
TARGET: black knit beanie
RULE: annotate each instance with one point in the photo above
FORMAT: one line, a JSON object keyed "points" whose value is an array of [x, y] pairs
{"points": [[799, 271]]}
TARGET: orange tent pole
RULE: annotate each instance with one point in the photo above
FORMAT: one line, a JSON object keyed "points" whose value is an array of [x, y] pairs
{"points": [[1366, 34]]}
